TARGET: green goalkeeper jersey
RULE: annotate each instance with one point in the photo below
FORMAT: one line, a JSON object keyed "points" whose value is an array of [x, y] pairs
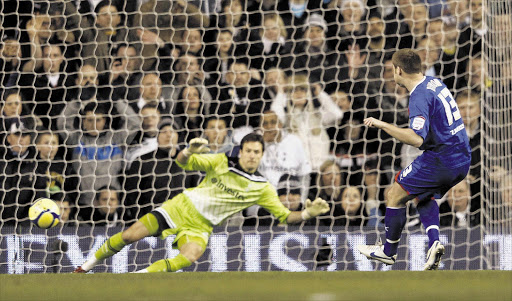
{"points": [[228, 189]]}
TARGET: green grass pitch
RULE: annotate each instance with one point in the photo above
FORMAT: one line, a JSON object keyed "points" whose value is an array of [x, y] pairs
{"points": [[267, 286]]}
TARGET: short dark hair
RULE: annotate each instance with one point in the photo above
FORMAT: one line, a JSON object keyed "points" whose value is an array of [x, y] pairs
{"points": [[408, 60], [109, 188], [253, 137], [214, 117], [43, 132]]}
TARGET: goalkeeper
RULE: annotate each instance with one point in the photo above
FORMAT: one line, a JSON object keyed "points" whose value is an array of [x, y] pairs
{"points": [[230, 185]]}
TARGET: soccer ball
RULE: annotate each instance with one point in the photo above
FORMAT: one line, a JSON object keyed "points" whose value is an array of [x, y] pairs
{"points": [[44, 213]]}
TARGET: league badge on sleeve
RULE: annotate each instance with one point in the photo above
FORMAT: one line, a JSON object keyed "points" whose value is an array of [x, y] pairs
{"points": [[418, 123]]}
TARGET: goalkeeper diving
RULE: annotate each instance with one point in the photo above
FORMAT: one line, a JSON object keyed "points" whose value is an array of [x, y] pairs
{"points": [[230, 186]]}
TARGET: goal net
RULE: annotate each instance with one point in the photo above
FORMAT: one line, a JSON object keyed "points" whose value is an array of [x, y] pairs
{"points": [[98, 97]]}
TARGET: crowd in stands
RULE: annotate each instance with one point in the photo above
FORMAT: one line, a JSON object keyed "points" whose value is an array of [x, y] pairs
{"points": [[97, 98]]}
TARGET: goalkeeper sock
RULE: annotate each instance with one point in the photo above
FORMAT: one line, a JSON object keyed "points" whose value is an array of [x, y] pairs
{"points": [[429, 216], [169, 265], [395, 222], [111, 247]]}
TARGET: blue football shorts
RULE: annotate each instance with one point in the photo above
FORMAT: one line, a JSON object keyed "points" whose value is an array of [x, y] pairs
{"points": [[428, 177]]}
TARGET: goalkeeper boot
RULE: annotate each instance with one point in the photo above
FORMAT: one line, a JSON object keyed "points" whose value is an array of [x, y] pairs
{"points": [[434, 255], [79, 270], [376, 252]]}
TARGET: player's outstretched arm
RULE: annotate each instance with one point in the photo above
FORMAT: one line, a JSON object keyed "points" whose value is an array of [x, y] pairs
{"points": [[407, 136], [313, 209], [196, 146]]}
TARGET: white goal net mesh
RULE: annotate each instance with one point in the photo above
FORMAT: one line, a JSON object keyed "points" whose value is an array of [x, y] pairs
{"points": [[97, 98]]}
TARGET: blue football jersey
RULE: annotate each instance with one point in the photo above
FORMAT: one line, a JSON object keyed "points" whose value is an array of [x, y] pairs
{"points": [[434, 115]]}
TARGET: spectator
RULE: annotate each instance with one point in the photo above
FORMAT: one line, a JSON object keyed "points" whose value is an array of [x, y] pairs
{"points": [[190, 113], [289, 191], [47, 86], [352, 205], [70, 30], [65, 212], [145, 140], [218, 135], [395, 19], [107, 209], [98, 140], [192, 42], [377, 47], [430, 52], [272, 48], [257, 9], [10, 61], [244, 98], [417, 26], [12, 109], [163, 23], [284, 153], [18, 186], [469, 107], [352, 29], [448, 54], [275, 80], [476, 75], [304, 117], [314, 57], [51, 165], [35, 32], [125, 76], [232, 18], [325, 67], [155, 177], [456, 13], [217, 66], [390, 105], [470, 38], [86, 85], [327, 186], [189, 72], [457, 211], [151, 93], [157, 55], [169, 19], [109, 32], [295, 14]]}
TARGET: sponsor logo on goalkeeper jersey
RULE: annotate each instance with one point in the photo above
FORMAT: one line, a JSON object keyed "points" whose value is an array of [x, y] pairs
{"points": [[226, 189]]}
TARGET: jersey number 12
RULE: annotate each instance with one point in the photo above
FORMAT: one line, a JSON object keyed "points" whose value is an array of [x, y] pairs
{"points": [[449, 103]]}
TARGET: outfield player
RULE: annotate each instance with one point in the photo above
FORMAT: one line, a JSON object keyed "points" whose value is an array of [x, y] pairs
{"points": [[436, 127], [230, 185]]}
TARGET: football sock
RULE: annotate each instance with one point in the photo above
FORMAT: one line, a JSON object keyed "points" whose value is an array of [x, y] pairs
{"points": [[395, 221], [429, 216], [169, 265], [111, 247]]}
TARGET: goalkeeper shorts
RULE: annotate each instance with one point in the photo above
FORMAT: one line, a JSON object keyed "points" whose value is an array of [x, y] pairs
{"points": [[179, 217]]}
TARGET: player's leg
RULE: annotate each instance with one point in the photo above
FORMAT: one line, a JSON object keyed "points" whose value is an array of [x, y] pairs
{"points": [[395, 221], [395, 218], [428, 210], [146, 226], [191, 249]]}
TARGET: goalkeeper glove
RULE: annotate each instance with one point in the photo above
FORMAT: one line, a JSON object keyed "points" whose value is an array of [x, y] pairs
{"points": [[315, 208], [197, 146]]}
